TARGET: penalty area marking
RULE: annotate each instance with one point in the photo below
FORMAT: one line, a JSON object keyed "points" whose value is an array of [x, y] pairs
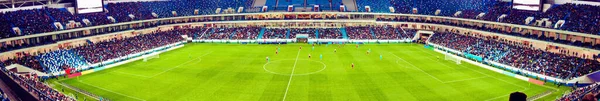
{"points": [[417, 68], [524, 88], [200, 57], [110, 91], [324, 67], [412, 65]]}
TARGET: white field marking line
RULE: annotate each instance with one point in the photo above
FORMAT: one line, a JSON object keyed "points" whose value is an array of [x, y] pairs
{"points": [[542, 96], [452, 80], [324, 67], [555, 89], [397, 62], [180, 65], [433, 59], [111, 91], [65, 86], [131, 74], [505, 95], [465, 79], [487, 74], [417, 68], [291, 75]]}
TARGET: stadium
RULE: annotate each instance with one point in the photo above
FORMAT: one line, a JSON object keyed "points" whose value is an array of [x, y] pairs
{"points": [[299, 50]]}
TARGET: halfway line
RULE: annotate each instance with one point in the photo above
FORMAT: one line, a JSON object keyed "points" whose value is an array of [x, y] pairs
{"points": [[291, 75]]}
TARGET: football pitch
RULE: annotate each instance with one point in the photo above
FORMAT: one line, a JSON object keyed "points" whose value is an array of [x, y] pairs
{"points": [[238, 72]]}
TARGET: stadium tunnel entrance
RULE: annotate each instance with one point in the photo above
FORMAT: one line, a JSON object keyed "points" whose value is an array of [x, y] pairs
{"points": [[423, 36]]}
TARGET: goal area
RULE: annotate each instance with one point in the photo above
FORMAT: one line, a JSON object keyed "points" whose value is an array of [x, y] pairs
{"points": [[451, 57], [151, 56]]}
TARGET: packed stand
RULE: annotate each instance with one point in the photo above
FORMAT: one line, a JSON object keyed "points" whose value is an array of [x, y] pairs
{"points": [[59, 60], [582, 18], [496, 11], [296, 31], [31, 83], [330, 33], [246, 33], [518, 55], [165, 9], [25, 59], [446, 7], [275, 33], [96, 19], [192, 32], [375, 5], [31, 21], [360, 32], [386, 33], [233, 33], [579, 93], [3, 96], [518, 17], [114, 48], [121, 11], [6, 27], [62, 15], [219, 33]]}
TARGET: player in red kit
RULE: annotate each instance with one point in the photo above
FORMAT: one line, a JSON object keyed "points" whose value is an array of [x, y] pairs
{"points": [[352, 65]]}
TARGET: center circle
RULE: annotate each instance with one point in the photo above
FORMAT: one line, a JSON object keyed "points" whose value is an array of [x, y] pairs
{"points": [[300, 67]]}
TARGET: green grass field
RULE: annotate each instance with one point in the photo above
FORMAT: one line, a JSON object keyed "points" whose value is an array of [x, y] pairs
{"points": [[217, 72]]}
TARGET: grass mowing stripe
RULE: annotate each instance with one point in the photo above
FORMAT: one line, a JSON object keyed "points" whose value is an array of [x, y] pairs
{"points": [[131, 74], [417, 67], [465, 79], [475, 71], [110, 91], [291, 75], [180, 65], [236, 73]]}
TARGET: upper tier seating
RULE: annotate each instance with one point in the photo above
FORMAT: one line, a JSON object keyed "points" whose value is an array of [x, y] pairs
{"points": [[579, 18], [3, 96]]}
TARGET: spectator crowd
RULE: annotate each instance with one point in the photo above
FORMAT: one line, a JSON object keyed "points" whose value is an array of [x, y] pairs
{"points": [[587, 93], [114, 48], [59, 60], [31, 83], [519, 55], [3, 96]]}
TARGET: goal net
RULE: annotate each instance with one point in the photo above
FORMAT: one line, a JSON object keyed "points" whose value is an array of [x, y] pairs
{"points": [[151, 56], [452, 57]]}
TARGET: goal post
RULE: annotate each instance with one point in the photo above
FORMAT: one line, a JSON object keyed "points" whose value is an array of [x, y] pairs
{"points": [[151, 56], [451, 57]]}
